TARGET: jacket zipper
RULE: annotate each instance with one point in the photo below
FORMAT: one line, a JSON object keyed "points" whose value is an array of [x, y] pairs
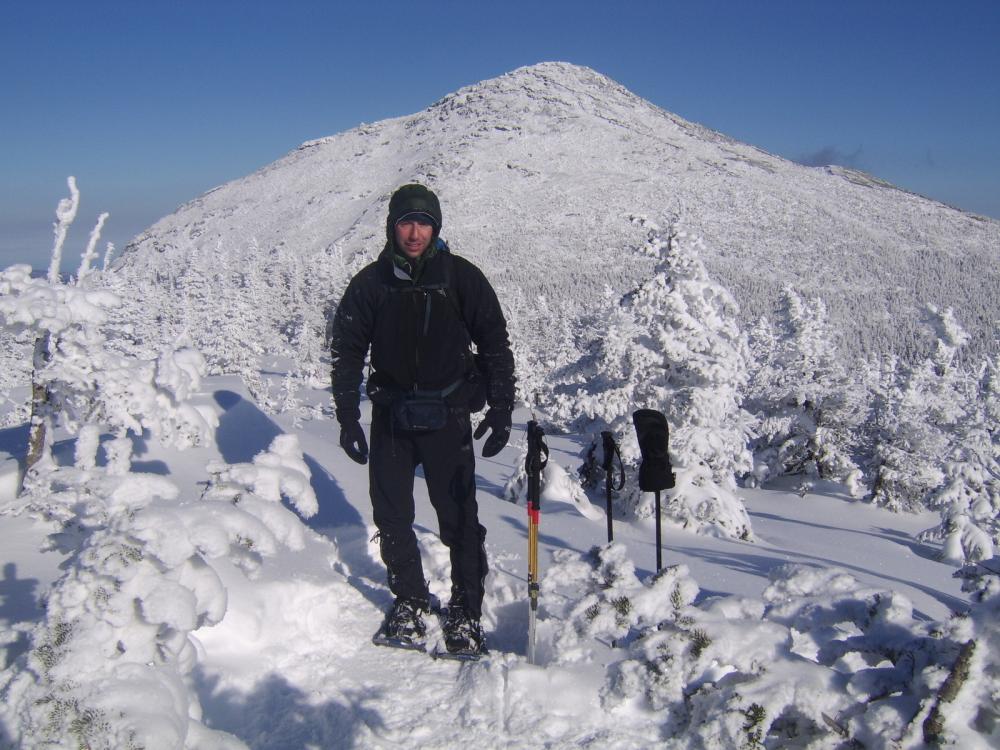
{"points": [[416, 349]]}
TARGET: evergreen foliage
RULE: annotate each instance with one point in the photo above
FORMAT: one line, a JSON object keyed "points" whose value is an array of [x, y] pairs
{"points": [[868, 672], [674, 345], [808, 410]]}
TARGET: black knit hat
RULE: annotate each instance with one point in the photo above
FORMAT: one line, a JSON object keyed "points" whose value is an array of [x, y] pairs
{"points": [[413, 199]]}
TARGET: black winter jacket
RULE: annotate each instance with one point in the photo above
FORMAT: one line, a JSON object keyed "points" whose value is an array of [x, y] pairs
{"points": [[417, 339]]}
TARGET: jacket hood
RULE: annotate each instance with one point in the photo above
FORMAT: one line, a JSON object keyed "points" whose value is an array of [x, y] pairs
{"points": [[412, 199]]}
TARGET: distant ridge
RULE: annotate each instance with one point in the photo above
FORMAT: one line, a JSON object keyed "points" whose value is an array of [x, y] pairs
{"points": [[539, 171]]}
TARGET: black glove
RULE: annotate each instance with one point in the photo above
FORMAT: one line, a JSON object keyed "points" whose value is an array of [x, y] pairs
{"points": [[498, 422], [352, 440]]}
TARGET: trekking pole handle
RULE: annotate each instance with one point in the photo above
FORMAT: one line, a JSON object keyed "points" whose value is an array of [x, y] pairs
{"points": [[534, 462], [609, 447], [611, 452]]}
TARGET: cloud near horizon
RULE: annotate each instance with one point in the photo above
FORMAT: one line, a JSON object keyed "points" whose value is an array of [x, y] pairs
{"points": [[831, 155]]}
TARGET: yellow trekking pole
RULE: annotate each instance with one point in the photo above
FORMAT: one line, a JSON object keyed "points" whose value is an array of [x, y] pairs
{"points": [[534, 462]]}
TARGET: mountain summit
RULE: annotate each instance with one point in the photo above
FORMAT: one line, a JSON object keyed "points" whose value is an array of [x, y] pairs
{"points": [[541, 174]]}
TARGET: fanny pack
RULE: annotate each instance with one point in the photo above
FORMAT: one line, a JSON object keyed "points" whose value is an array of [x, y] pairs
{"points": [[416, 411]]}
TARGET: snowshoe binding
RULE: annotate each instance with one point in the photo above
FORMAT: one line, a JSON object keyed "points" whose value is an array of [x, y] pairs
{"points": [[403, 626], [464, 639]]}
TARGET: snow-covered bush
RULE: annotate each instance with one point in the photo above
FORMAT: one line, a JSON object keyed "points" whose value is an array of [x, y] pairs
{"points": [[557, 485], [918, 414], [110, 664], [280, 472], [84, 380], [981, 580], [598, 596], [808, 409], [821, 661], [969, 497], [79, 378], [674, 345]]}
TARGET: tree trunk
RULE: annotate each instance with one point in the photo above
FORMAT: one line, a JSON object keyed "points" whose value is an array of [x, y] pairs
{"points": [[934, 724], [38, 426]]}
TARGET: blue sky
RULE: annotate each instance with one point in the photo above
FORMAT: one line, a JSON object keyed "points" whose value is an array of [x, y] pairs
{"points": [[151, 103]]}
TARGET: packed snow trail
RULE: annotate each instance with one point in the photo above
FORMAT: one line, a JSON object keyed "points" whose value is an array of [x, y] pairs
{"points": [[292, 663]]}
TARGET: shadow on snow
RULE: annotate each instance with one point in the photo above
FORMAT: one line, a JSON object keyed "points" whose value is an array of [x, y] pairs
{"points": [[19, 605], [277, 714], [244, 431]]}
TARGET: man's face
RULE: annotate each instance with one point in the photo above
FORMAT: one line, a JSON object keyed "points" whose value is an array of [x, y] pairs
{"points": [[413, 235]]}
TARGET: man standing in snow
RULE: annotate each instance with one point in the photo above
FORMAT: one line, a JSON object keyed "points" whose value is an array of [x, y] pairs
{"points": [[420, 309]]}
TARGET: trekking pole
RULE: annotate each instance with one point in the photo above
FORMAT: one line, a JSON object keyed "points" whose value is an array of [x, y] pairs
{"points": [[535, 461], [610, 453], [659, 540]]}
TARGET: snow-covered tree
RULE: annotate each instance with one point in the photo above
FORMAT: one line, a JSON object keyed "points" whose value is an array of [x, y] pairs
{"points": [[84, 381], [78, 377], [969, 496], [674, 345], [807, 407], [917, 415]]}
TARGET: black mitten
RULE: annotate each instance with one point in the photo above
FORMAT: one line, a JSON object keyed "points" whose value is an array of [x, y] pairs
{"points": [[352, 440], [498, 422]]}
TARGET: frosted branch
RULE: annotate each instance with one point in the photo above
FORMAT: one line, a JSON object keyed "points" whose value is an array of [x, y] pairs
{"points": [[65, 214], [107, 256], [90, 253]]}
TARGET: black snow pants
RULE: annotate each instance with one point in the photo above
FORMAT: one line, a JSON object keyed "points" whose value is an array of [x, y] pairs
{"points": [[449, 469]]}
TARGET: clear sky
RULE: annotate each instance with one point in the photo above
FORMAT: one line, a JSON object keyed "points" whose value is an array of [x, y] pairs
{"points": [[151, 103]]}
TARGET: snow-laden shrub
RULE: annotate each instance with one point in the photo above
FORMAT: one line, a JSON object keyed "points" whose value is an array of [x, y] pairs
{"points": [[79, 377], [110, 663], [237, 312], [279, 472], [597, 596], [674, 345], [557, 486], [808, 409], [981, 580], [969, 497], [919, 413], [821, 661], [966, 709]]}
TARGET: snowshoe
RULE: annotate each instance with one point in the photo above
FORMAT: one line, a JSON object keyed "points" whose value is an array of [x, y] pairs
{"points": [[463, 636], [403, 626]]}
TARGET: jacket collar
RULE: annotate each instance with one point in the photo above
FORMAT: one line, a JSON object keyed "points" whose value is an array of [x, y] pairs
{"points": [[412, 270]]}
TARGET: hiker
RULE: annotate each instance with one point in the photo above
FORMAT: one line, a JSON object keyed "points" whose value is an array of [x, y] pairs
{"points": [[421, 308]]}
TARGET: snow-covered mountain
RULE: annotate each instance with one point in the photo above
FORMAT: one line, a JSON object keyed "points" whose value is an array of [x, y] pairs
{"points": [[539, 172]]}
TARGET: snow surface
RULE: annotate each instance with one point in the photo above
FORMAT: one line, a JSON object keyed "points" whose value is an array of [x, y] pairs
{"points": [[291, 664]]}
